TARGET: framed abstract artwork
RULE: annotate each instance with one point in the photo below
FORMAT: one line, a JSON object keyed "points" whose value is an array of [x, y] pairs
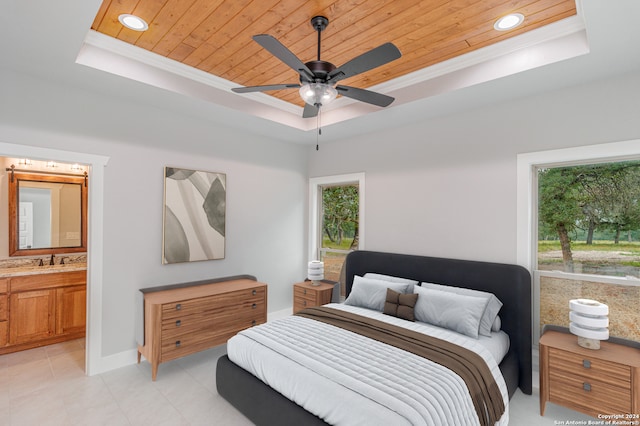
{"points": [[194, 215]]}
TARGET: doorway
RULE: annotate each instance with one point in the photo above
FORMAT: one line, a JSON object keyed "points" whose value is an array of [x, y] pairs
{"points": [[94, 362]]}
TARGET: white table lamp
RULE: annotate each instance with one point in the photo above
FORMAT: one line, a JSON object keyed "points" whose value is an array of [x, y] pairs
{"points": [[589, 321], [315, 272]]}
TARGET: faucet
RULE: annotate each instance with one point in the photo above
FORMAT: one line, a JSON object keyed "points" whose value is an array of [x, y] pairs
{"points": [[51, 262]]}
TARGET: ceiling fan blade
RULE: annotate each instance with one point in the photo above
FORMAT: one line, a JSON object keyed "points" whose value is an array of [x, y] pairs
{"points": [[367, 61], [309, 111], [249, 89], [365, 96], [279, 50]]}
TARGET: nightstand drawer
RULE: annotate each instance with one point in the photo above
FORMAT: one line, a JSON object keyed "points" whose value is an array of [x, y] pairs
{"points": [[305, 293], [592, 368], [588, 394], [299, 303]]}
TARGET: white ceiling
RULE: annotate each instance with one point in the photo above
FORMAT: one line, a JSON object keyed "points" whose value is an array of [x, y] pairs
{"points": [[45, 39]]}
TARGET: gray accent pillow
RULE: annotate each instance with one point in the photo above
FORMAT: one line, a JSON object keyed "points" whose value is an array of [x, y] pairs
{"points": [[490, 313], [371, 294], [457, 312]]}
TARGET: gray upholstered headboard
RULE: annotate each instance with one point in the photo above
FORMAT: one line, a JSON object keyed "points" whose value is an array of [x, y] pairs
{"points": [[510, 283]]}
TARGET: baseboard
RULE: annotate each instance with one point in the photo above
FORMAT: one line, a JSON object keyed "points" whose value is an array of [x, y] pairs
{"points": [[115, 361]]}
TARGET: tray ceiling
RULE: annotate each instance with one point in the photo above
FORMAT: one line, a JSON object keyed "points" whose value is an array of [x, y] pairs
{"points": [[215, 36]]}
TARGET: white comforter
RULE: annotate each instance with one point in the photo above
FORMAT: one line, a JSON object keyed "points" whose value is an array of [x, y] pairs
{"points": [[348, 379]]}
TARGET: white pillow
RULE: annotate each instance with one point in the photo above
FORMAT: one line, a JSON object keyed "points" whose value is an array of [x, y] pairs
{"points": [[497, 324], [410, 283], [457, 312], [371, 294], [490, 313]]}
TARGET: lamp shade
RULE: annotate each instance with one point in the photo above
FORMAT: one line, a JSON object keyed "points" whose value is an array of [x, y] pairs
{"points": [[317, 93], [315, 271], [589, 321]]}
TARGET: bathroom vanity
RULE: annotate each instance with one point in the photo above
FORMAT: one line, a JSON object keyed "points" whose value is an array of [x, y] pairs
{"points": [[41, 306]]}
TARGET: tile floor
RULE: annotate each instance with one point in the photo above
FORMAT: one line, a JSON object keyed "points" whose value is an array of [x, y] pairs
{"points": [[47, 386]]}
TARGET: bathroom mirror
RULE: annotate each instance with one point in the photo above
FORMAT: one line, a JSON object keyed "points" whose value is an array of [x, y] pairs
{"points": [[47, 214]]}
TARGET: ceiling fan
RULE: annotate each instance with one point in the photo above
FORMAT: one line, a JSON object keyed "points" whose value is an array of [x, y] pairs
{"points": [[318, 78]]}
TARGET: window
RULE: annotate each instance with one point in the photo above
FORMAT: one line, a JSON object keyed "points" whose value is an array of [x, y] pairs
{"points": [[557, 278], [589, 218], [337, 220]]}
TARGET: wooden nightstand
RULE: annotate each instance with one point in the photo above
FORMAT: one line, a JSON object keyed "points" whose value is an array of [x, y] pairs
{"points": [[604, 381], [306, 295]]}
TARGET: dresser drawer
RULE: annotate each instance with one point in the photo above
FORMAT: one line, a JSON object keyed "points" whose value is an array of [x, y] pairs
{"points": [[186, 324], [588, 394], [188, 343], [4, 285], [593, 368], [233, 299], [3, 307]]}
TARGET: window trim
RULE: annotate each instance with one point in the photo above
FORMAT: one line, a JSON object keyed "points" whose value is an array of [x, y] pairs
{"points": [[314, 207]]}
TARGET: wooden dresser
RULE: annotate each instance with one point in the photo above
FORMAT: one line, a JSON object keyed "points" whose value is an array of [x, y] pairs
{"points": [[182, 319], [306, 295], [594, 382]]}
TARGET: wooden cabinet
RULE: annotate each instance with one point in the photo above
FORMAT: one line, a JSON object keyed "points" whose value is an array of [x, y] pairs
{"points": [[306, 295], [4, 311], [32, 316], [183, 319], [71, 309], [604, 381], [41, 309]]}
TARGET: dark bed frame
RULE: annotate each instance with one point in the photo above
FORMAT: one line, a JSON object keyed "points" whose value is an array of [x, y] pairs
{"points": [[510, 283]]}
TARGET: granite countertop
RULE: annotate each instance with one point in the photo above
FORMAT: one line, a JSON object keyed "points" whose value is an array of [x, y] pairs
{"points": [[46, 269]]}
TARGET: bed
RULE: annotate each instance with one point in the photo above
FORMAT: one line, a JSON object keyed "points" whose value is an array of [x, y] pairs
{"points": [[511, 284]]}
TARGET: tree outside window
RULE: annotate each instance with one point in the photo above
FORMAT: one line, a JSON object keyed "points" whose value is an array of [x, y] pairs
{"points": [[340, 230], [589, 219]]}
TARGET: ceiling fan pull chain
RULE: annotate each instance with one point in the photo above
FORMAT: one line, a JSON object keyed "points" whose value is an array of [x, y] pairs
{"points": [[319, 132]]}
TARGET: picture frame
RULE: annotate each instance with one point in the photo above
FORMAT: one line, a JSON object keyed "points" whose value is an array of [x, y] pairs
{"points": [[194, 215]]}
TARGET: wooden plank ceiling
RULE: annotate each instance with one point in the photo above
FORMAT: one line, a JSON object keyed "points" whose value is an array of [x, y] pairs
{"points": [[215, 35]]}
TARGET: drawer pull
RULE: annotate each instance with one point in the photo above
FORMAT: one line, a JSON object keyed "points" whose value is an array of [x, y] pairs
{"points": [[178, 323], [178, 306], [177, 343], [305, 291], [254, 306], [254, 292], [586, 386], [253, 323], [586, 363], [304, 303]]}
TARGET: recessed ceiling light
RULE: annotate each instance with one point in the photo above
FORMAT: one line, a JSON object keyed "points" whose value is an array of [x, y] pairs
{"points": [[133, 22], [509, 21]]}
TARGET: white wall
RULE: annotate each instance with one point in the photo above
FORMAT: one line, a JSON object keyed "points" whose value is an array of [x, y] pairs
{"points": [[266, 191], [447, 187]]}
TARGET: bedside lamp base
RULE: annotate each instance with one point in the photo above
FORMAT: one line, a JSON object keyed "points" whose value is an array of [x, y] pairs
{"points": [[588, 343]]}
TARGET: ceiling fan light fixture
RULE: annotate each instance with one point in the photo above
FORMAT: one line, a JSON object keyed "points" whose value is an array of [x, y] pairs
{"points": [[133, 22], [509, 22], [318, 93]]}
